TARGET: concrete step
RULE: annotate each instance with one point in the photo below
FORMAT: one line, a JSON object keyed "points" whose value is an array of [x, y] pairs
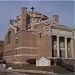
{"points": [[68, 64]]}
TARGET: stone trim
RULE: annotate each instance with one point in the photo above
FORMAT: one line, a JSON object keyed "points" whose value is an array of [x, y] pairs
{"points": [[61, 27], [8, 56], [25, 55], [22, 55], [17, 62], [61, 58], [13, 28], [25, 47]]}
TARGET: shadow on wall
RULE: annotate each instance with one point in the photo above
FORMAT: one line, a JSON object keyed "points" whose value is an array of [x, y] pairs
{"points": [[1, 56], [31, 61]]}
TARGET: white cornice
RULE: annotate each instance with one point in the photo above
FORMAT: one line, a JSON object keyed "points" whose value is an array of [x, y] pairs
{"points": [[13, 28], [62, 27], [26, 48]]}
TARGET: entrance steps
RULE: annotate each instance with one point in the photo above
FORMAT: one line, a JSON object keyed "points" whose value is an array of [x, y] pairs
{"points": [[68, 64]]}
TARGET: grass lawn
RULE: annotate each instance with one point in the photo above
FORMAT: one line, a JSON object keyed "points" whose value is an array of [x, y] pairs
{"points": [[54, 68]]}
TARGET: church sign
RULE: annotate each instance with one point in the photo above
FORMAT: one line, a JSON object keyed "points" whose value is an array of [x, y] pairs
{"points": [[43, 61]]}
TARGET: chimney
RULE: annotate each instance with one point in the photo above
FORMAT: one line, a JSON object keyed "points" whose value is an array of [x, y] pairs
{"points": [[56, 19], [23, 11], [23, 18]]}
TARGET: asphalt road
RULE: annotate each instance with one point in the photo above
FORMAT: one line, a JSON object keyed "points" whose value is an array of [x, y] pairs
{"points": [[9, 72]]}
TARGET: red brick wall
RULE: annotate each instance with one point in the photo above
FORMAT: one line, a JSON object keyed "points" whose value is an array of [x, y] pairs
{"points": [[44, 45], [9, 48]]}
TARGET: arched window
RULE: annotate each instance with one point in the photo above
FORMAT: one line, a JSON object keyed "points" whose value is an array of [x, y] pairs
{"points": [[33, 20], [9, 39]]}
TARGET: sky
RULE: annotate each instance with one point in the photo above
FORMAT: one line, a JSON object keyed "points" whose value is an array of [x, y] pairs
{"points": [[11, 9]]}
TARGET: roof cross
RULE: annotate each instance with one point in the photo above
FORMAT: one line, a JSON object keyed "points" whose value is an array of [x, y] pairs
{"points": [[32, 8]]}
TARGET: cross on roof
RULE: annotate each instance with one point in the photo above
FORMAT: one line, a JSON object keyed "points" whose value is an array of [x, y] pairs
{"points": [[32, 8]]}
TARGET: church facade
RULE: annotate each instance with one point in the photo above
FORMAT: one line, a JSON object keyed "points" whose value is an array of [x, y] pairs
{"points": [[32, 36]]}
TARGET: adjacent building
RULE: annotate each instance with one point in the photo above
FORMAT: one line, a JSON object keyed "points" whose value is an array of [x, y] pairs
{"points": [[1, 49], [33, 36]]}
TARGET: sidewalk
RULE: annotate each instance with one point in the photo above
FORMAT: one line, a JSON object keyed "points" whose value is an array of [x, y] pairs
{"points": [[31, 71]]}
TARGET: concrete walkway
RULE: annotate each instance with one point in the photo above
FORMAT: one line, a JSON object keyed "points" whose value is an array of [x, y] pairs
{"points": [[33, 71]]}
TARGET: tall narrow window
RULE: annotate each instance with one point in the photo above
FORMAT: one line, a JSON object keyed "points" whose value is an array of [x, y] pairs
{"points": [[16, 41], [9, 39], [40, 35]]}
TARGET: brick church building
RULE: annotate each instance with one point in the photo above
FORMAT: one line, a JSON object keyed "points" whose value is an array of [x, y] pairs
{"points": [[32, 36]]}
